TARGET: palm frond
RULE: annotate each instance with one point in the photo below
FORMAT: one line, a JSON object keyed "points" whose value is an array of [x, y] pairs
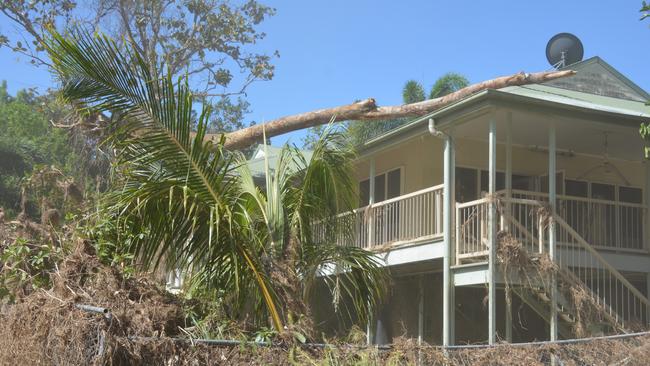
{"points": [[183, 191]]}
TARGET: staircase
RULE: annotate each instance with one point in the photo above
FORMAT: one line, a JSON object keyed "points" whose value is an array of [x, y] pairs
{"points": [[614, 303]]}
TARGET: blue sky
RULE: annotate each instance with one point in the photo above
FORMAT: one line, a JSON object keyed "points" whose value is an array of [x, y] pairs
{"points": [[334, 52]]}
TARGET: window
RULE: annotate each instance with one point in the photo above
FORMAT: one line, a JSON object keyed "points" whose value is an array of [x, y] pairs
{"points": [[559, 183], [523, 182], [387, 185], [485, 177], [576, 188], [466, 184], [630, 195]]}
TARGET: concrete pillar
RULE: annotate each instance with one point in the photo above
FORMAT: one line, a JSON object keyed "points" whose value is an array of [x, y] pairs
{"points": [[448, 229], [492, 231], [552, 198]]}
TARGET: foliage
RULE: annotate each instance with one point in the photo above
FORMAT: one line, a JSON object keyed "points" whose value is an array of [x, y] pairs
{"points": [[109, 240], [298, 193], [313, 135], [183, 198], [26, 266], [447, 84], [28, 143], [645, 10], [189, 203], [413, 92], [209, 40]]}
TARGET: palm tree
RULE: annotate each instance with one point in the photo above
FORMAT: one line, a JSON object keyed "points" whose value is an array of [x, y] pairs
{"points": [[191, 204], [297, 194], [412, 92], [448, 83]]}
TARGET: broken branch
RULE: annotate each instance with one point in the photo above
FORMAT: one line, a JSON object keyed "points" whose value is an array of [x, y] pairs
{"points": [[367, 110]]}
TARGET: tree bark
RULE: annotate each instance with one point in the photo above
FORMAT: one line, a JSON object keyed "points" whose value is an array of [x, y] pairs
{"points": [[367, 110]]}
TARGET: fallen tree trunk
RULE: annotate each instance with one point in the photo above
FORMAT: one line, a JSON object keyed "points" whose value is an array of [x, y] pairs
{"points": [[367, 110]]}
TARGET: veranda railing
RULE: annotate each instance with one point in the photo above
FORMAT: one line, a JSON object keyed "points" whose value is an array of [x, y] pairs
{"points": [[411, 217]]}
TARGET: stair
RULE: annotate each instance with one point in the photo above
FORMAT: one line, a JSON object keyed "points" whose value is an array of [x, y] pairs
{"points": [[541, 306], [614, 300]]}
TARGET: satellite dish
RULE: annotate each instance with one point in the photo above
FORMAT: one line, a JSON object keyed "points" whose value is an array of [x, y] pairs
{"points": [[564, 49]]}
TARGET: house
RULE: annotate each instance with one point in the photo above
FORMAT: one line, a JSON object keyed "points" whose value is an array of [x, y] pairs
{"points": [[557, 169]]}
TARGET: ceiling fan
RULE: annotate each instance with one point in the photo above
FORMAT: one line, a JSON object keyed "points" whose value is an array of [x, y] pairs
{"points": [[606, 166]]}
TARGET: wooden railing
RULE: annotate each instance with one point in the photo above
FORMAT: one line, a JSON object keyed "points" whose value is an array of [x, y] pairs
{"points": [[411, 217]]}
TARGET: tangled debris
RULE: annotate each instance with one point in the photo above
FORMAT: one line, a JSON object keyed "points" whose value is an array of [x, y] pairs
{"points": [[46, 327]]}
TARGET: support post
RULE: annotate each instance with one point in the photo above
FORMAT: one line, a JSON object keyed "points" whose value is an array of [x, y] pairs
{"points": [[508, 315], [552, 199], [646, 213], [508, 168], [492, 231], [508, 208], [371, 201], [447, 222], [371, 231], [645, 227], [420, 310]]}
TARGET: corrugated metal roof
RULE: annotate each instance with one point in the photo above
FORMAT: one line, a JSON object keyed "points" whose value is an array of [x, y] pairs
{"points": [[580, 99]]}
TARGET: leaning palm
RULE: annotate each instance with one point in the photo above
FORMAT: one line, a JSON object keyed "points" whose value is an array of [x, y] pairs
{"points": [[188, 203], [179, 192], [301, 194]]}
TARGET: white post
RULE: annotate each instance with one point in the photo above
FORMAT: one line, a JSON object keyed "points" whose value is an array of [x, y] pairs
{"points": [[508, 166], [646, 213], [371, 231], [645, 227], [420, 311], [371, 201], [647, 285], [492, 232], [447, 223], [509, 212], [552, 198]]}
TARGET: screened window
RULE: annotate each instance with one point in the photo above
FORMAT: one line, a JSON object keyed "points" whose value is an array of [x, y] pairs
{"points": [[387, 185]]}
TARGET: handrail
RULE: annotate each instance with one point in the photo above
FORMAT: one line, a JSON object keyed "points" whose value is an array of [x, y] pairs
{"points": [[408, 195], [588, 247], [578, 198], [473, 203], [600, 259]]}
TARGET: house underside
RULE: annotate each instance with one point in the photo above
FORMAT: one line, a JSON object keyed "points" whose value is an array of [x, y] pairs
{"points": [[536, 194]]}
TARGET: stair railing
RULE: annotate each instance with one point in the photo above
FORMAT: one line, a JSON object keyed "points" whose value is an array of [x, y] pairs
{"points": [[621, 301]]}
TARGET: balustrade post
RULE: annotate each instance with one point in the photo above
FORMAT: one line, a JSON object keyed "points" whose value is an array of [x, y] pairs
{"points": [[540, 233]]}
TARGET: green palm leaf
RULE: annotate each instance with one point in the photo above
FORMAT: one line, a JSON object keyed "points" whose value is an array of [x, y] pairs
{"points": [[179, 191]]}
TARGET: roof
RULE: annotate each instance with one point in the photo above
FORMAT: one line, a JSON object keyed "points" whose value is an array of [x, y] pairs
{"points": [[595, 76], [598, 87], [257, 165]]}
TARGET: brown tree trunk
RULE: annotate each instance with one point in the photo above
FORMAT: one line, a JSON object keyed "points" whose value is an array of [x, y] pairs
{"points": [[367, 110]]}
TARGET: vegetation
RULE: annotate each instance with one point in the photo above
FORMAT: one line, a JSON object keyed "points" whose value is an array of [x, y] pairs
{"points": [[190, 204], [28, 143], [207, 40]]}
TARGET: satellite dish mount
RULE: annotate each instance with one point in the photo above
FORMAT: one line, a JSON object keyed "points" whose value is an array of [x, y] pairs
{"points": [[564, 49]]}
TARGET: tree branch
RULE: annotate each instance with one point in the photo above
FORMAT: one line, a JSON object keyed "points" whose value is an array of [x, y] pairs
{"points": [[367, 110]]}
